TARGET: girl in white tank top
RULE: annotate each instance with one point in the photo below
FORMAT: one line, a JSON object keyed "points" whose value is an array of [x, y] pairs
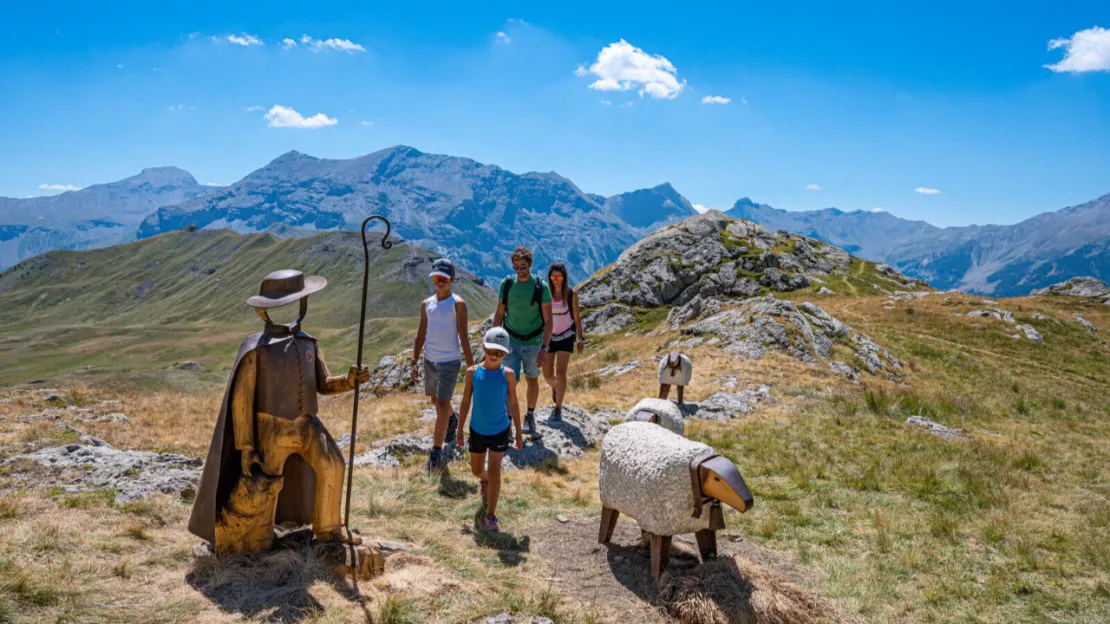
{"points": [[442, 341]]}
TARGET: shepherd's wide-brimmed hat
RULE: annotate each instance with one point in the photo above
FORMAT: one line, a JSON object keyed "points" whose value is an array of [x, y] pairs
{"points": [[284, 287]]}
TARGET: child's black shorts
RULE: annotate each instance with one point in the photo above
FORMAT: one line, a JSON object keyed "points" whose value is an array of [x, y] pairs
{"points": [[498, 442]]}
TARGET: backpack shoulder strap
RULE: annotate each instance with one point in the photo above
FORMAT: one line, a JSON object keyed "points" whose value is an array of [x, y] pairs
{"points": [[506, 286], [537, 292]]}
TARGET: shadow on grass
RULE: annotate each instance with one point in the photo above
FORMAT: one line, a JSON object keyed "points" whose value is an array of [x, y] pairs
{"points": [[451, 487], [273, 585], [510, 549]]}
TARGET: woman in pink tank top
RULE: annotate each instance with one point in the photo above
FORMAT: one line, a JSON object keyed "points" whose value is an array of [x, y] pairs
{"points": [[566, 336]]}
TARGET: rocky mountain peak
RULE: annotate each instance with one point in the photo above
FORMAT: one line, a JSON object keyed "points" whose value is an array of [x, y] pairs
{"points": [[159, 177]]}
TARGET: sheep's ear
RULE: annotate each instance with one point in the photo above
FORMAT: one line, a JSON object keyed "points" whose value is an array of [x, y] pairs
{"points": [[722, 480]]}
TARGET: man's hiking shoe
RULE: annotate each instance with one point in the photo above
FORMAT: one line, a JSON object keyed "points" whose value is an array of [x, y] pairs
{"points": [[491, 523], [452, 428], [485, 490], [434, 461], [530, 423], [556, 415]]}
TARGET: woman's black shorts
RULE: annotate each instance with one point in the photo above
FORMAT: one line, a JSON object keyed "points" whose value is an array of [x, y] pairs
{"points": [[498, 442], [566, 345]]}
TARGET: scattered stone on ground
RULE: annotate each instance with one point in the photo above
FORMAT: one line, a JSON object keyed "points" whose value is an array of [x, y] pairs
{"points": [[990, 302], [937, 429], [842, 369], [728, 381], [1076, 287], [187, 366], [579, 431], [994, 313], [1085, 323], [55, 397], [506, 618], [407, 445], [609, 319], [825, 290], [616, 370], [901, 295], [1031, 333], [803, 331], [98, 466], [728, 405], [392, 373], [1042, 317]]}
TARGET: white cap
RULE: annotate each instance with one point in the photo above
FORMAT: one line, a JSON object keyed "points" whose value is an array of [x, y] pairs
{"points": [[497, 339]]}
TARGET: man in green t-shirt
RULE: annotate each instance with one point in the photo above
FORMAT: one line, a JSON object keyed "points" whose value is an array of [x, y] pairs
{"points": [[524, 310]]}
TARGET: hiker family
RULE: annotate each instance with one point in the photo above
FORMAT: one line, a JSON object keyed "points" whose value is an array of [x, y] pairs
{"points": [[536, 327]]}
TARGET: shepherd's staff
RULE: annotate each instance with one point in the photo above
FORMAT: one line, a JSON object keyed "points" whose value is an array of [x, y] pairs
{"points": [[386, 244]]}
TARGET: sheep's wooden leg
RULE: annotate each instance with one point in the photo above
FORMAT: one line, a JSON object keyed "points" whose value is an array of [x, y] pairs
{"points": [[664, 390], [660, 554], [608, 524], [707, 543], [680, 389]]}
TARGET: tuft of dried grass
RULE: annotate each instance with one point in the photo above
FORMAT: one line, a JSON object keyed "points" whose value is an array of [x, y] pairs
{"points": [[734, 590]]}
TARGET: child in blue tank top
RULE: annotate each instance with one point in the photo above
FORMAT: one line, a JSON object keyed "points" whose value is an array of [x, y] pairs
{"points": [[491, 389]]}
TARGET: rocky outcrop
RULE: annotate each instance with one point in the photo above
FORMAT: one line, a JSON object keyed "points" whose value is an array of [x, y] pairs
{"points": [[711, 256], [98, 466], [1085, 323], [803, 331], [391, 453], [608, 319], [1088, 287], [729, 405], [934, 428], [994, 313]]}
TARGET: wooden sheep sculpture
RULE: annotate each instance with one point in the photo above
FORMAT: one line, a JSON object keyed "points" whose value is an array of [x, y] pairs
{"points": [[659, 411], [674, 370], [669, 485]]}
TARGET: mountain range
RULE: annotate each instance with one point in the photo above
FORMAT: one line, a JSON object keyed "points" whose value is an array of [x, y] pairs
{"points": [[97, 216], [478, 213], [997, 260]]}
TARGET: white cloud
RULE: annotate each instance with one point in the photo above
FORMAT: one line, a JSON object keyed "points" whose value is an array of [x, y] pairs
{"points": [[253, 108], [1086, 50], [702, 209], [244, 40], [626, 105], [622, 67], [59, 187], [715, 99], [606, 102], [877, 210], [813, 187], [366, 123], [501, 37], [285, 117], [288, 43], [743, 100], [580, 71], [343, 45], [924, 190], [180, 107], [119, 66]]}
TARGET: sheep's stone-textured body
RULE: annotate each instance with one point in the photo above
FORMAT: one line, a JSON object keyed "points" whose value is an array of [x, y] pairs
{"points": [[645, 474], [676, 376], [668, 414]]}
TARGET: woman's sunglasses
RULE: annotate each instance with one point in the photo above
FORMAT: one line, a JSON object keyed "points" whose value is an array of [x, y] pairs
{"points": [[440, 280], [556, 278]]}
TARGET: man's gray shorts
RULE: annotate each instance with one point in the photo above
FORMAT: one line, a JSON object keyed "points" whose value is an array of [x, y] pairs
{"points": [[440, 378]]}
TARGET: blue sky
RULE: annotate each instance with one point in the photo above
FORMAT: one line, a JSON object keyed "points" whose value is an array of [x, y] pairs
{"points": [[868, 101]]}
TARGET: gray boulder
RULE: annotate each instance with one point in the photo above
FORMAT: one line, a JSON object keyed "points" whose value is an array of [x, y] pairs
{"points": [[1031, 333], [1085, 323], [937, 429], [570, 439], [609, 319], [97, 466], [728, 405], [1076, 287], [401, 447]]}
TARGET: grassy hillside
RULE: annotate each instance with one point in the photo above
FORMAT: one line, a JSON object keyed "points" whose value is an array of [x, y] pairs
{"points": [[147, 304]]}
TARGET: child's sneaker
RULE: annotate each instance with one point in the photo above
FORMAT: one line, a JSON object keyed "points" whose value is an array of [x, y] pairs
{"points": [[485, 490], [491, 523]]}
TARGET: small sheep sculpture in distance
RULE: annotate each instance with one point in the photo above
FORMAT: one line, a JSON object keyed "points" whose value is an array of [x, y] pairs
{"points": [[675, 369], [669, 485], [659, 411]]}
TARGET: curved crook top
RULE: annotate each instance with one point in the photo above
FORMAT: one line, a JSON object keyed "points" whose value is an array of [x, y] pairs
{"points": [[386, 243]]}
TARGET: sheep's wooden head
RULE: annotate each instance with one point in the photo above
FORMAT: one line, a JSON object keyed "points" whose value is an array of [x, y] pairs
{"points": [[720, 479]]}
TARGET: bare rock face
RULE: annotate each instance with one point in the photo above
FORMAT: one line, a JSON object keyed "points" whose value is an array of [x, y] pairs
{"points": [[710, 255], [98, 466], [579, 430], [803, 331], [408, 445], [1076, 287], [609, 319]]}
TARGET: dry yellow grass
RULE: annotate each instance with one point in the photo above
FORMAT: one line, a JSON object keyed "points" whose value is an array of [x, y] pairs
{"points": [[1010, 524]]}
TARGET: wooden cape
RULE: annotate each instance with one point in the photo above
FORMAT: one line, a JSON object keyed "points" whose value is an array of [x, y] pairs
{"points": [[223, 465]]}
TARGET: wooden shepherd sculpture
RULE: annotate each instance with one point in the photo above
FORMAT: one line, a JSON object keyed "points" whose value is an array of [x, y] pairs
{"points": [[272, 460]]}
